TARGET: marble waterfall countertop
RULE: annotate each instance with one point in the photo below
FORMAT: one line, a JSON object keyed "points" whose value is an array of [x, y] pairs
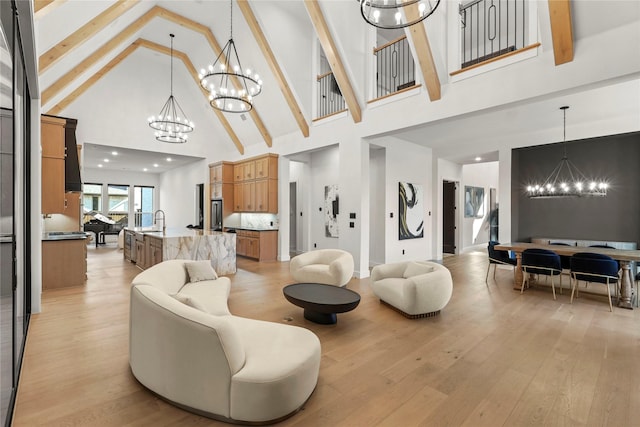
{"points": [[187, 243]]}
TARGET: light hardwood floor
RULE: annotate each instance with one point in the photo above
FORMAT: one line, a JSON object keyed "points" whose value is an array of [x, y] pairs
{"points": [[492, 358]]}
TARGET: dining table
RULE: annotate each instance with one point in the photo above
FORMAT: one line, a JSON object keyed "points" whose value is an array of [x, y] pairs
{"points": [[623, 256]]}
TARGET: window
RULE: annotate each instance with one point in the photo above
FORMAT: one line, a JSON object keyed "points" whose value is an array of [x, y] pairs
{"points": [[118, 199], [92, 197], [143, 205]]}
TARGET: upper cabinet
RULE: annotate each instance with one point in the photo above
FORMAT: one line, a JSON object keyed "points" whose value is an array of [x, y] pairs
{"points": [[255, 184], [60, 167], [53, 157]]}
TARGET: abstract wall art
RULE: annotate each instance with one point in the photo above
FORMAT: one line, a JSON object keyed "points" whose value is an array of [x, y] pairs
{"points": [[473, 202], [331, 205], [411, 211]]}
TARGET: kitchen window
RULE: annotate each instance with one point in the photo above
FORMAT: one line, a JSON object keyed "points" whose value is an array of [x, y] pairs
{"points": [[118, 200], [143, 205], [92, 197]]}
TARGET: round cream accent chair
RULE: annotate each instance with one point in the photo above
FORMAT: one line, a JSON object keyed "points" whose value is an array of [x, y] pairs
{"points": [[413, 288], [186, 347], [327, 266]]}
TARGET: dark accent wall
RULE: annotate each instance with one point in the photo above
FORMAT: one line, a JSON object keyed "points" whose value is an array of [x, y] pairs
{"points": [[616, 217]]}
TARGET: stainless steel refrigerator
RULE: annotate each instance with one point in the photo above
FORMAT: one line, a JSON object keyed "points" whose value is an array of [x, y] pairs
{"points": [[216, 215]]}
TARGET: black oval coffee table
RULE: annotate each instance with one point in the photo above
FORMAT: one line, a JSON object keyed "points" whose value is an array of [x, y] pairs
{"points": [[321, 302]]}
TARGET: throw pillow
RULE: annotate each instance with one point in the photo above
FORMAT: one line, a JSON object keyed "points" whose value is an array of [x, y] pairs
{"points": [[192, 302], [200, 270], [415, 269]]}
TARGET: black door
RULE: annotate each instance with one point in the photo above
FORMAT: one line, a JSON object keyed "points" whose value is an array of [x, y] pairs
{"points": [[449, 217]]}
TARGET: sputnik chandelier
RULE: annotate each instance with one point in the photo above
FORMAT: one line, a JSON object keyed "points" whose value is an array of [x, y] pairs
{"points": [[231, 88], [171, 124], [566, 180], [392, 14]]}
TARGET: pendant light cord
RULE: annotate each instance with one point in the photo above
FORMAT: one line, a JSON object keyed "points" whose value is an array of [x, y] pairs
{"points": [[564, 129], [171, 63], [231, 17]]}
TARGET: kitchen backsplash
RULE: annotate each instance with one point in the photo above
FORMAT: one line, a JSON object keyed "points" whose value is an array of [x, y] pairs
{"points": [[259, 220]]}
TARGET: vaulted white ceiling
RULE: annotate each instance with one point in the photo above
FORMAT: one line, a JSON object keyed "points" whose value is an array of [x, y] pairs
{"points": [[118, 104]]}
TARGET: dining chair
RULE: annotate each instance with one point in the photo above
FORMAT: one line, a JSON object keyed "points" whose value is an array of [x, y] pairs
{"points": [[617, 262], [498, 257], [540, 261], [593, 268], [565, 262]]}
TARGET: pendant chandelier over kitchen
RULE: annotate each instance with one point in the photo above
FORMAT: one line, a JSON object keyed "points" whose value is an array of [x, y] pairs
{"points": [[231, 87], [566, 180], [171, 124], [393, 14]]}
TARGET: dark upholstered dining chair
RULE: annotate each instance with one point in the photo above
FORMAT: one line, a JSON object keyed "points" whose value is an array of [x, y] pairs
{"points": [[540, 261], [498, 257], [593, 268], [565, 262]]}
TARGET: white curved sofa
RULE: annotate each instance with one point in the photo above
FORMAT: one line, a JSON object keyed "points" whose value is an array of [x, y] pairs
{"points": [[414, 288], [327, 266], [207, 360]]}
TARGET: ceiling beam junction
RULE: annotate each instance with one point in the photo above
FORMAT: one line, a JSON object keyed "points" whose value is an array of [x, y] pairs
{"points": [[333, 57]]}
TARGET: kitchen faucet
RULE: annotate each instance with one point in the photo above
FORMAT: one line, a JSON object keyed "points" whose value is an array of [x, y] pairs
{"points": [[164, 222]]}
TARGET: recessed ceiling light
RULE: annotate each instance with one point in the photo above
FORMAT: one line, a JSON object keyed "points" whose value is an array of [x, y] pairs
{"points": [[145, 169], [478, 159], [155, 165], [114, 153], [100, 165], [106, 160], [169, 159]]}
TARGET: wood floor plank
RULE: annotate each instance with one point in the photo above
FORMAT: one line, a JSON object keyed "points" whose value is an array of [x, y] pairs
{"points": [[493, 357]]}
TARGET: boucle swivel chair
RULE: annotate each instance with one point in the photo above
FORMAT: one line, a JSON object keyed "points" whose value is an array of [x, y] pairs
{"points": [[415, 289], [326, 266]]}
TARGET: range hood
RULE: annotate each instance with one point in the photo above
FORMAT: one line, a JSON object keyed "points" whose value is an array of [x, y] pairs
{"points": [[72, 181]]}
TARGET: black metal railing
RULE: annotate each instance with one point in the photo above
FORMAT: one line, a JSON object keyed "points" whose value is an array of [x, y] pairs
{"points": [[491, 28], [395, 68], [330, 100]]}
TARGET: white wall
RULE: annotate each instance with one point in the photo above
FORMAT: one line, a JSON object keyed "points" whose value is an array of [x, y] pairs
{"points": [[475, 231], [405, 162], [324, 167], [178, 193]]}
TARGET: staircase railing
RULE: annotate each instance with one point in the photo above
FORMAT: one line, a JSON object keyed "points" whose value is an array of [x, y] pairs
{"points": [[491, 28], [395, 68]]}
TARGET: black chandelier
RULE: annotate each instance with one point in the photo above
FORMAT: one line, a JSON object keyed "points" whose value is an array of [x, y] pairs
{"points": [[566, 180], [393, 14], [171, 124], [231, 88]]}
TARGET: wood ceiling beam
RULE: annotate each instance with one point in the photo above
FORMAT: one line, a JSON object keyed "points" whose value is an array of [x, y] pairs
{"points": [[43, 7], [333, 57], [215, 46], [58, 108], [260, 38], [561, 30], [194, 74], [418, 34], [64, 81], [81, 35]]}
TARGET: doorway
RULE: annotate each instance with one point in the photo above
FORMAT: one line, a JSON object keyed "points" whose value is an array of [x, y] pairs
{"points": [[293, 225], [449, 217]]}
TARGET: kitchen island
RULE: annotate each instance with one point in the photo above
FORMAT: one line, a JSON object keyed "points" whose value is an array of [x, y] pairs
{"points": [[147, 247]]}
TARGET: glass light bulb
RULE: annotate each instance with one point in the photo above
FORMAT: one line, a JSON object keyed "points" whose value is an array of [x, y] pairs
{"points": [[222, 67], [422, 7], [398, 16], [210, 67]]}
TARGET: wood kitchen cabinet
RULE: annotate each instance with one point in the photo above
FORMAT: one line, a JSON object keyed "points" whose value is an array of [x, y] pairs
{"points": [[238, 197], [260, 245], [153, 248], [53, 158], [141, 258], [221, 172], [64, 263], [249, 196], [266, 192]]}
